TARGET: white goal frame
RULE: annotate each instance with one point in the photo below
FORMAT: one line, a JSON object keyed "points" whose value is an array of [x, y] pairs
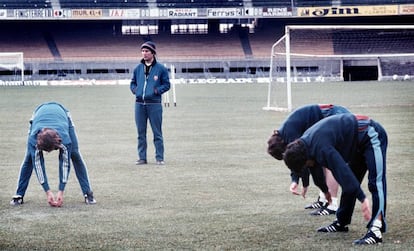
{"points": [[286, 38], [12, 60]]}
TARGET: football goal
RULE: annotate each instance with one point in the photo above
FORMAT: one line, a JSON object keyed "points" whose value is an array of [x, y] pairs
{"points": [[321, 53], [11, 63]]}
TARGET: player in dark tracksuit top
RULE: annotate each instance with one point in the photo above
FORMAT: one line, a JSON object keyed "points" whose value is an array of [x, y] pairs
{"points": [[360, 142], [292, 128]]}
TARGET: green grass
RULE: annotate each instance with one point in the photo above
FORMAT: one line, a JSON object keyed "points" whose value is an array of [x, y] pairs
{"points": [[219, 189]]}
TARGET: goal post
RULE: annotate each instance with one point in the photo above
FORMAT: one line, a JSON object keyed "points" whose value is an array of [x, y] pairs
{"points": [[322, 53], [13, 62]]}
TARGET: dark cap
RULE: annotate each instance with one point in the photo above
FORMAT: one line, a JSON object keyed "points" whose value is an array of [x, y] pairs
{"points": [[150, 46]]}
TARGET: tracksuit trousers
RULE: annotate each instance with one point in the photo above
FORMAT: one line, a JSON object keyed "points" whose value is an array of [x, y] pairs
{"points": [[151, 112], [371, 157]]}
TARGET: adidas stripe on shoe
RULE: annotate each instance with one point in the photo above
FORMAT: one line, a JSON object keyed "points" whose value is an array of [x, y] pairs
{"points": [[322, 212], [315, 205], [16, 200], [332, 228], [369, 239]]}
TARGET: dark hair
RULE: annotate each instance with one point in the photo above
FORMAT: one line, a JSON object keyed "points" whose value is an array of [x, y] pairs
{"points": [[48, 140], [276, 146], [295, 156]]}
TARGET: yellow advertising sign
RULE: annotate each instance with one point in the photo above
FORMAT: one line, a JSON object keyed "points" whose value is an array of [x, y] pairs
{"points": [[347, 11], [86, 13]]}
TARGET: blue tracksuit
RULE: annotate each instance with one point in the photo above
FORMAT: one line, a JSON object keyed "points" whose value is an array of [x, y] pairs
{"points": [[362, 143], [54, 116], [300, 120], [148, 84]]}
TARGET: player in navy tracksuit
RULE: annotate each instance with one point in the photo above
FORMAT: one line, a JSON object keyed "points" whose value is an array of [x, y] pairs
{"points": [[52, 128], [349, 145], [292, 128], [149, 81]]}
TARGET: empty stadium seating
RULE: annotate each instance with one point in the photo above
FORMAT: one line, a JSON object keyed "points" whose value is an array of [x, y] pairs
{"points": [[198, 3], [25, 4], [103, 3]]}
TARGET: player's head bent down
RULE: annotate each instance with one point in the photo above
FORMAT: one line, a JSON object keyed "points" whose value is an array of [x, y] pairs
{"points": [[276, 146], [295, 156], [48, 140]]}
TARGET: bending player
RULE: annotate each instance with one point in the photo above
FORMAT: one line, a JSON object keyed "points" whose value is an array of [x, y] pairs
{"points": [[292, 128], [349, 146], [51, 128]]}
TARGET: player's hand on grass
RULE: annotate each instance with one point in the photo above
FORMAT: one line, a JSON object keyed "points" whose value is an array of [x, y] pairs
{"points": [[59, 199], [366, 209], [50, 198], [294, 188]]}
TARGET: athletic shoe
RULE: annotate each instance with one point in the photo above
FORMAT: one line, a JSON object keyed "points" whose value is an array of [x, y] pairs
{"points": [[369, 239], [16, 200], [322, 211], [334, 227], [315, 205], [89, 199], [160, 162], [141, 162]]}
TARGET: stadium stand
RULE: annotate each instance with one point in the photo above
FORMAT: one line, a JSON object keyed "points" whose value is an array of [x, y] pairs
{"points": [[25, 4], [373, 42], [103, 4], [304, 3], [271, 3], [31, 42], [374, 2], [198, 3], [72, 49]]}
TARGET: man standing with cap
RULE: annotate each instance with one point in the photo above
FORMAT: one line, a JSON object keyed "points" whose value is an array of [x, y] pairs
{"points": [[149, 81]]}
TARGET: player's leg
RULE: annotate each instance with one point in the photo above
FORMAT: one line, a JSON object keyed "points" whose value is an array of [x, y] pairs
{"points": [[80, 167], [347, 201], [155, 118], [333, 186], [141, 117], [26, 170], [375, 156]]}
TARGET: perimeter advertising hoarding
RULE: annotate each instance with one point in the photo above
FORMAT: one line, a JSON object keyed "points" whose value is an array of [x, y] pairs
{"points": [[211, 13], [348, 11]]}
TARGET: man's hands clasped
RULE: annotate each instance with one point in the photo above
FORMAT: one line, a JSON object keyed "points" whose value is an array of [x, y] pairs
{"points": [[54, 202]]}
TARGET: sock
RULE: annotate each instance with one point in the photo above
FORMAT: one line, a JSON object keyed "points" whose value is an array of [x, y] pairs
{"points": [[334, 204], [376, 228], [322, 197]]}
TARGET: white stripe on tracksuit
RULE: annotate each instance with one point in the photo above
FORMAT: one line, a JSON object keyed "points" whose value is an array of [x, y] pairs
{"points": [[65, 164], [38, 166]]}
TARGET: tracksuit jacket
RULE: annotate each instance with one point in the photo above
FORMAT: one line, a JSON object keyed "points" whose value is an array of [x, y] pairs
{"points": [[148, 84], [144, 86], [349, 145], [55, 116], [299, 121]]}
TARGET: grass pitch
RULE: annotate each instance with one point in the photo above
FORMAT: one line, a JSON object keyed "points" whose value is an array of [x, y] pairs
{"points": [[219, 190]]}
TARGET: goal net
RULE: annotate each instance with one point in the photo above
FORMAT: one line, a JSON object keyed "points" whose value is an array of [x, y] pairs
{"points": [[322, 53], [11, 63]]}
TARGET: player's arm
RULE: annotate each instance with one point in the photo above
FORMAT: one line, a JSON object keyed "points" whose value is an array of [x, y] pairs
{"points": [[164, 82], [318, 177], [343, 174], [133, 83]]}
